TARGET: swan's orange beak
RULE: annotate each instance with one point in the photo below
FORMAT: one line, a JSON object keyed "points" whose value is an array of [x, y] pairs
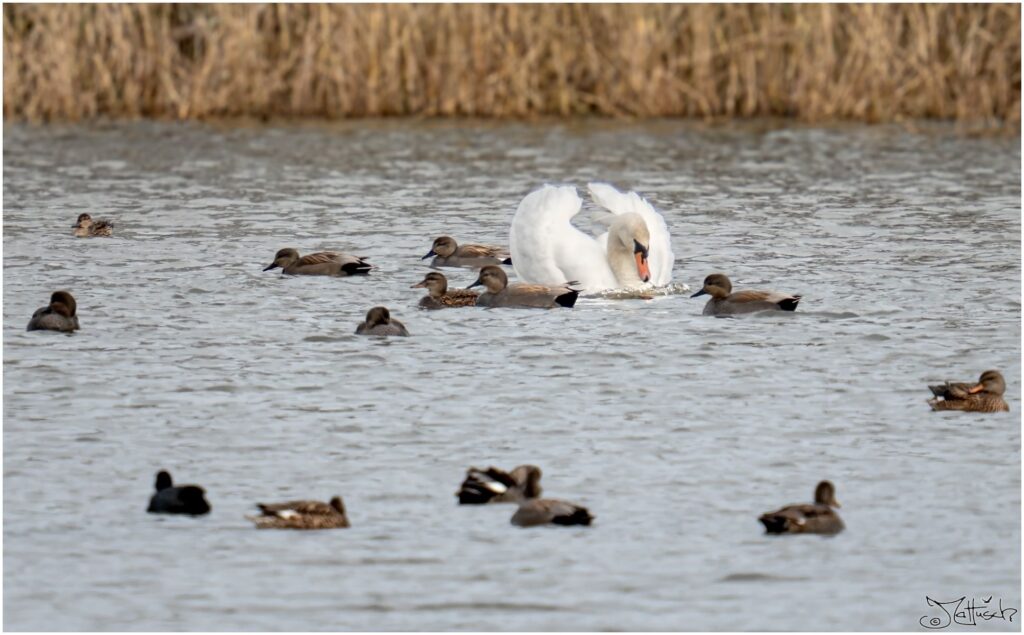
{"points": [[641, 267], [977, 389]]}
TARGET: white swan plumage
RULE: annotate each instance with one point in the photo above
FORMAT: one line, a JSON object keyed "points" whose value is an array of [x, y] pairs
{"points": [[547, 249]]}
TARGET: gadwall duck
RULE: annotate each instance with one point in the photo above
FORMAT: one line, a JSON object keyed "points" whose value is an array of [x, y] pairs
{"points": [[440, 297], [86, 227], [498, 486], [448, 253], [181, 499], [984, 396], [547, 511], [818, 518], [322, 263], [724, 302], [520, 295], [302, 515], [59, 316], [379, 322]]}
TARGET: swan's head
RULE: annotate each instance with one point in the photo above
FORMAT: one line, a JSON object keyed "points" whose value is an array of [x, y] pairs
{"points": [[443, 246], [493, 277], [992, 382], [434, 282], [378, 315], [283, 258], [716, 285], [632, 233], [825, 494]]}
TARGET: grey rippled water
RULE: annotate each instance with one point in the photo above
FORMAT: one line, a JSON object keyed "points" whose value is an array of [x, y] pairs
{"points": [[676, 430]]}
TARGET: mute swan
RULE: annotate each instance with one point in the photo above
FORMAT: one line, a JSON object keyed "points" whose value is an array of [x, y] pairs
{"points": [[548, 249], [724, 302]]}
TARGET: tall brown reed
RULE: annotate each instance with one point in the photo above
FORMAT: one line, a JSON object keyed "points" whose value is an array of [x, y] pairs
{"points": [[815, 62]]}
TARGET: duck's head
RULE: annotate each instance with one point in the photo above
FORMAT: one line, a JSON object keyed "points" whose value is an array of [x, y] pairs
{"points": [[529, 476], [493, 277], [717, 285], [378, 315], [163, 480], [283, 258], [434, 282], [62, 302], [443, 246], [991, 381], [338, 505], [84, 220], [825, 494]]}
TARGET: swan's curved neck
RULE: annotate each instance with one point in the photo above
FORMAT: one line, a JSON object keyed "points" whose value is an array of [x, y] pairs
{"points": [[620, 250]]}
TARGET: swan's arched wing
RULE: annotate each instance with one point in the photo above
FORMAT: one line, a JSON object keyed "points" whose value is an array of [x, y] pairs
{"points": [[547, 249], [660, 258]]}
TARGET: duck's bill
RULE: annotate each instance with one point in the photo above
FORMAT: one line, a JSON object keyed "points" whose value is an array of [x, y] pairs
{"points": [[836, 504], [429, 254], [475, 284], [270, 266], [642, 268], [419, 284], [977, 389], [701, 292]]}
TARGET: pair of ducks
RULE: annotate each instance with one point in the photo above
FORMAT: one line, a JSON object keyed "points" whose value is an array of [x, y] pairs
{"points": [[499, 293], [520, 486], [298, 514], [446, 253]]}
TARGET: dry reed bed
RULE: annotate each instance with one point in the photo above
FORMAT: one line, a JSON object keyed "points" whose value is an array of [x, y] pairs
{"points": [[815, 62]]}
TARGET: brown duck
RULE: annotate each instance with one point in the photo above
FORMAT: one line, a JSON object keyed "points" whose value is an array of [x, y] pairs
{"points": [[498, 486], [548, 511], [58, 316], [379, 322], [448, 253], [86, 227], [520, 295], [302, 514], [984, 396], [724, 302], [818, 518], [322, 263], [440, 297]]}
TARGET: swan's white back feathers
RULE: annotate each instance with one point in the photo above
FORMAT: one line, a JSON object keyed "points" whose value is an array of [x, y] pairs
{"points": [[547, 249]]}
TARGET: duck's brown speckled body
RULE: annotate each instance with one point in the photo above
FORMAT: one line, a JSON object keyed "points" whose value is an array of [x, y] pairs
{"points": [[440, 296], [302, 514], [984, 396], [86, 227]]}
